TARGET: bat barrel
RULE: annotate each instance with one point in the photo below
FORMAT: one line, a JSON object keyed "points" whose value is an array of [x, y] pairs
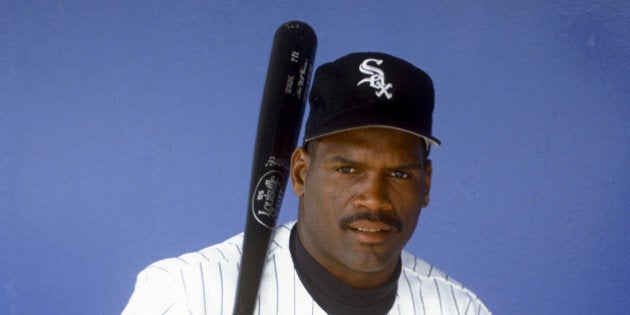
{"points": [[280, 120]]}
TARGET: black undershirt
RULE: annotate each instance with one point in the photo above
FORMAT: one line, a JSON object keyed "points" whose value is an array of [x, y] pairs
{"points": [[332, 295]]}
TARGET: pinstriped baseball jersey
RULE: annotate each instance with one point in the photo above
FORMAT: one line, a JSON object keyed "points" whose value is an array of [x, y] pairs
{"points": [[204, 282]]}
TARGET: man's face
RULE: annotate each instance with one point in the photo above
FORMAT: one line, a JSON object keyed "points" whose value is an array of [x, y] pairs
{"points": [[361, 193]]}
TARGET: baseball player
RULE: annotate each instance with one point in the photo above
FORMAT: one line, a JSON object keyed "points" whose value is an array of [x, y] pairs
{"points": [[362, 177]]}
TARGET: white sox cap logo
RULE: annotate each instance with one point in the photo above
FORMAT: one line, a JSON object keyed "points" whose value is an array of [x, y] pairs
{"points": [[376, 77]]}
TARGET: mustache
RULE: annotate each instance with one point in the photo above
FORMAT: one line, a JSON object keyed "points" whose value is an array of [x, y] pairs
{"points": [[372, 216]]}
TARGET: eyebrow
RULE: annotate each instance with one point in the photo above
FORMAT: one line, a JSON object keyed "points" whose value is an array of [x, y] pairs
{"points": [[345, 160], [411, 166], [341, 159]]}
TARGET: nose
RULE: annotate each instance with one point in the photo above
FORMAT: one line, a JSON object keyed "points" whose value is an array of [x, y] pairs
{"points": [[372, 194]]}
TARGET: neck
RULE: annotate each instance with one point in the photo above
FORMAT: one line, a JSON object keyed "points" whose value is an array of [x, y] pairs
{"points": [[356, 279], [362, 280], [335, 296]]}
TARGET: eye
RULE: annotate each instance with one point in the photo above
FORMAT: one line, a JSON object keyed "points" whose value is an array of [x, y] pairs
{"points": [[346, 169], [400, 174]]}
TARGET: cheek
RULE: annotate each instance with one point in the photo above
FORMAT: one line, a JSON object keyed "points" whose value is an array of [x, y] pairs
{"points": [[408, 194], [326, 189], [316, 197], [326, 200], [409, 203]]}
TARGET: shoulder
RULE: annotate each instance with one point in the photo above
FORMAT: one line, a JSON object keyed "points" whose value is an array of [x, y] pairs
{"points": [[180, 284], [430, 287], [225, 253], [197, 281]]}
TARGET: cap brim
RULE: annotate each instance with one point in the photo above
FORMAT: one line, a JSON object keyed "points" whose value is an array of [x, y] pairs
{"points": [[429, 139]]}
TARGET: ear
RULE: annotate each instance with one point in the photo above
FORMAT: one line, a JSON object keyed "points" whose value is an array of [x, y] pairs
{"points": [[428, 169], [300, 162]]}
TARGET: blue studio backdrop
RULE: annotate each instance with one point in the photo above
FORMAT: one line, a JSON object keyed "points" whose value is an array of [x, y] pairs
{"points": [[127, 130]]}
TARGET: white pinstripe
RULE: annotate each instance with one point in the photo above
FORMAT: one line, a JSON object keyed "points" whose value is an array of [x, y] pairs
{"points": [[204, 282]]}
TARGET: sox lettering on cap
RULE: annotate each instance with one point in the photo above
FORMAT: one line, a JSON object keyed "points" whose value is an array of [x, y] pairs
{"points": [[371, 89]]}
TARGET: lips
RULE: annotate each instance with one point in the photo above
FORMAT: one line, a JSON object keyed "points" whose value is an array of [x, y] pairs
{"points": [[370, 226], [366, 230], [370, 232]]}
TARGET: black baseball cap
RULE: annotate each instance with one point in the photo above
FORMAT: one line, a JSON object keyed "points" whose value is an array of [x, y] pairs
{"points": [[370, 89]]}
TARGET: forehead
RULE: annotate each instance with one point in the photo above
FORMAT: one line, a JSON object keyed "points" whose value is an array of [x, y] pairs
{"points": [[377, 141]]}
